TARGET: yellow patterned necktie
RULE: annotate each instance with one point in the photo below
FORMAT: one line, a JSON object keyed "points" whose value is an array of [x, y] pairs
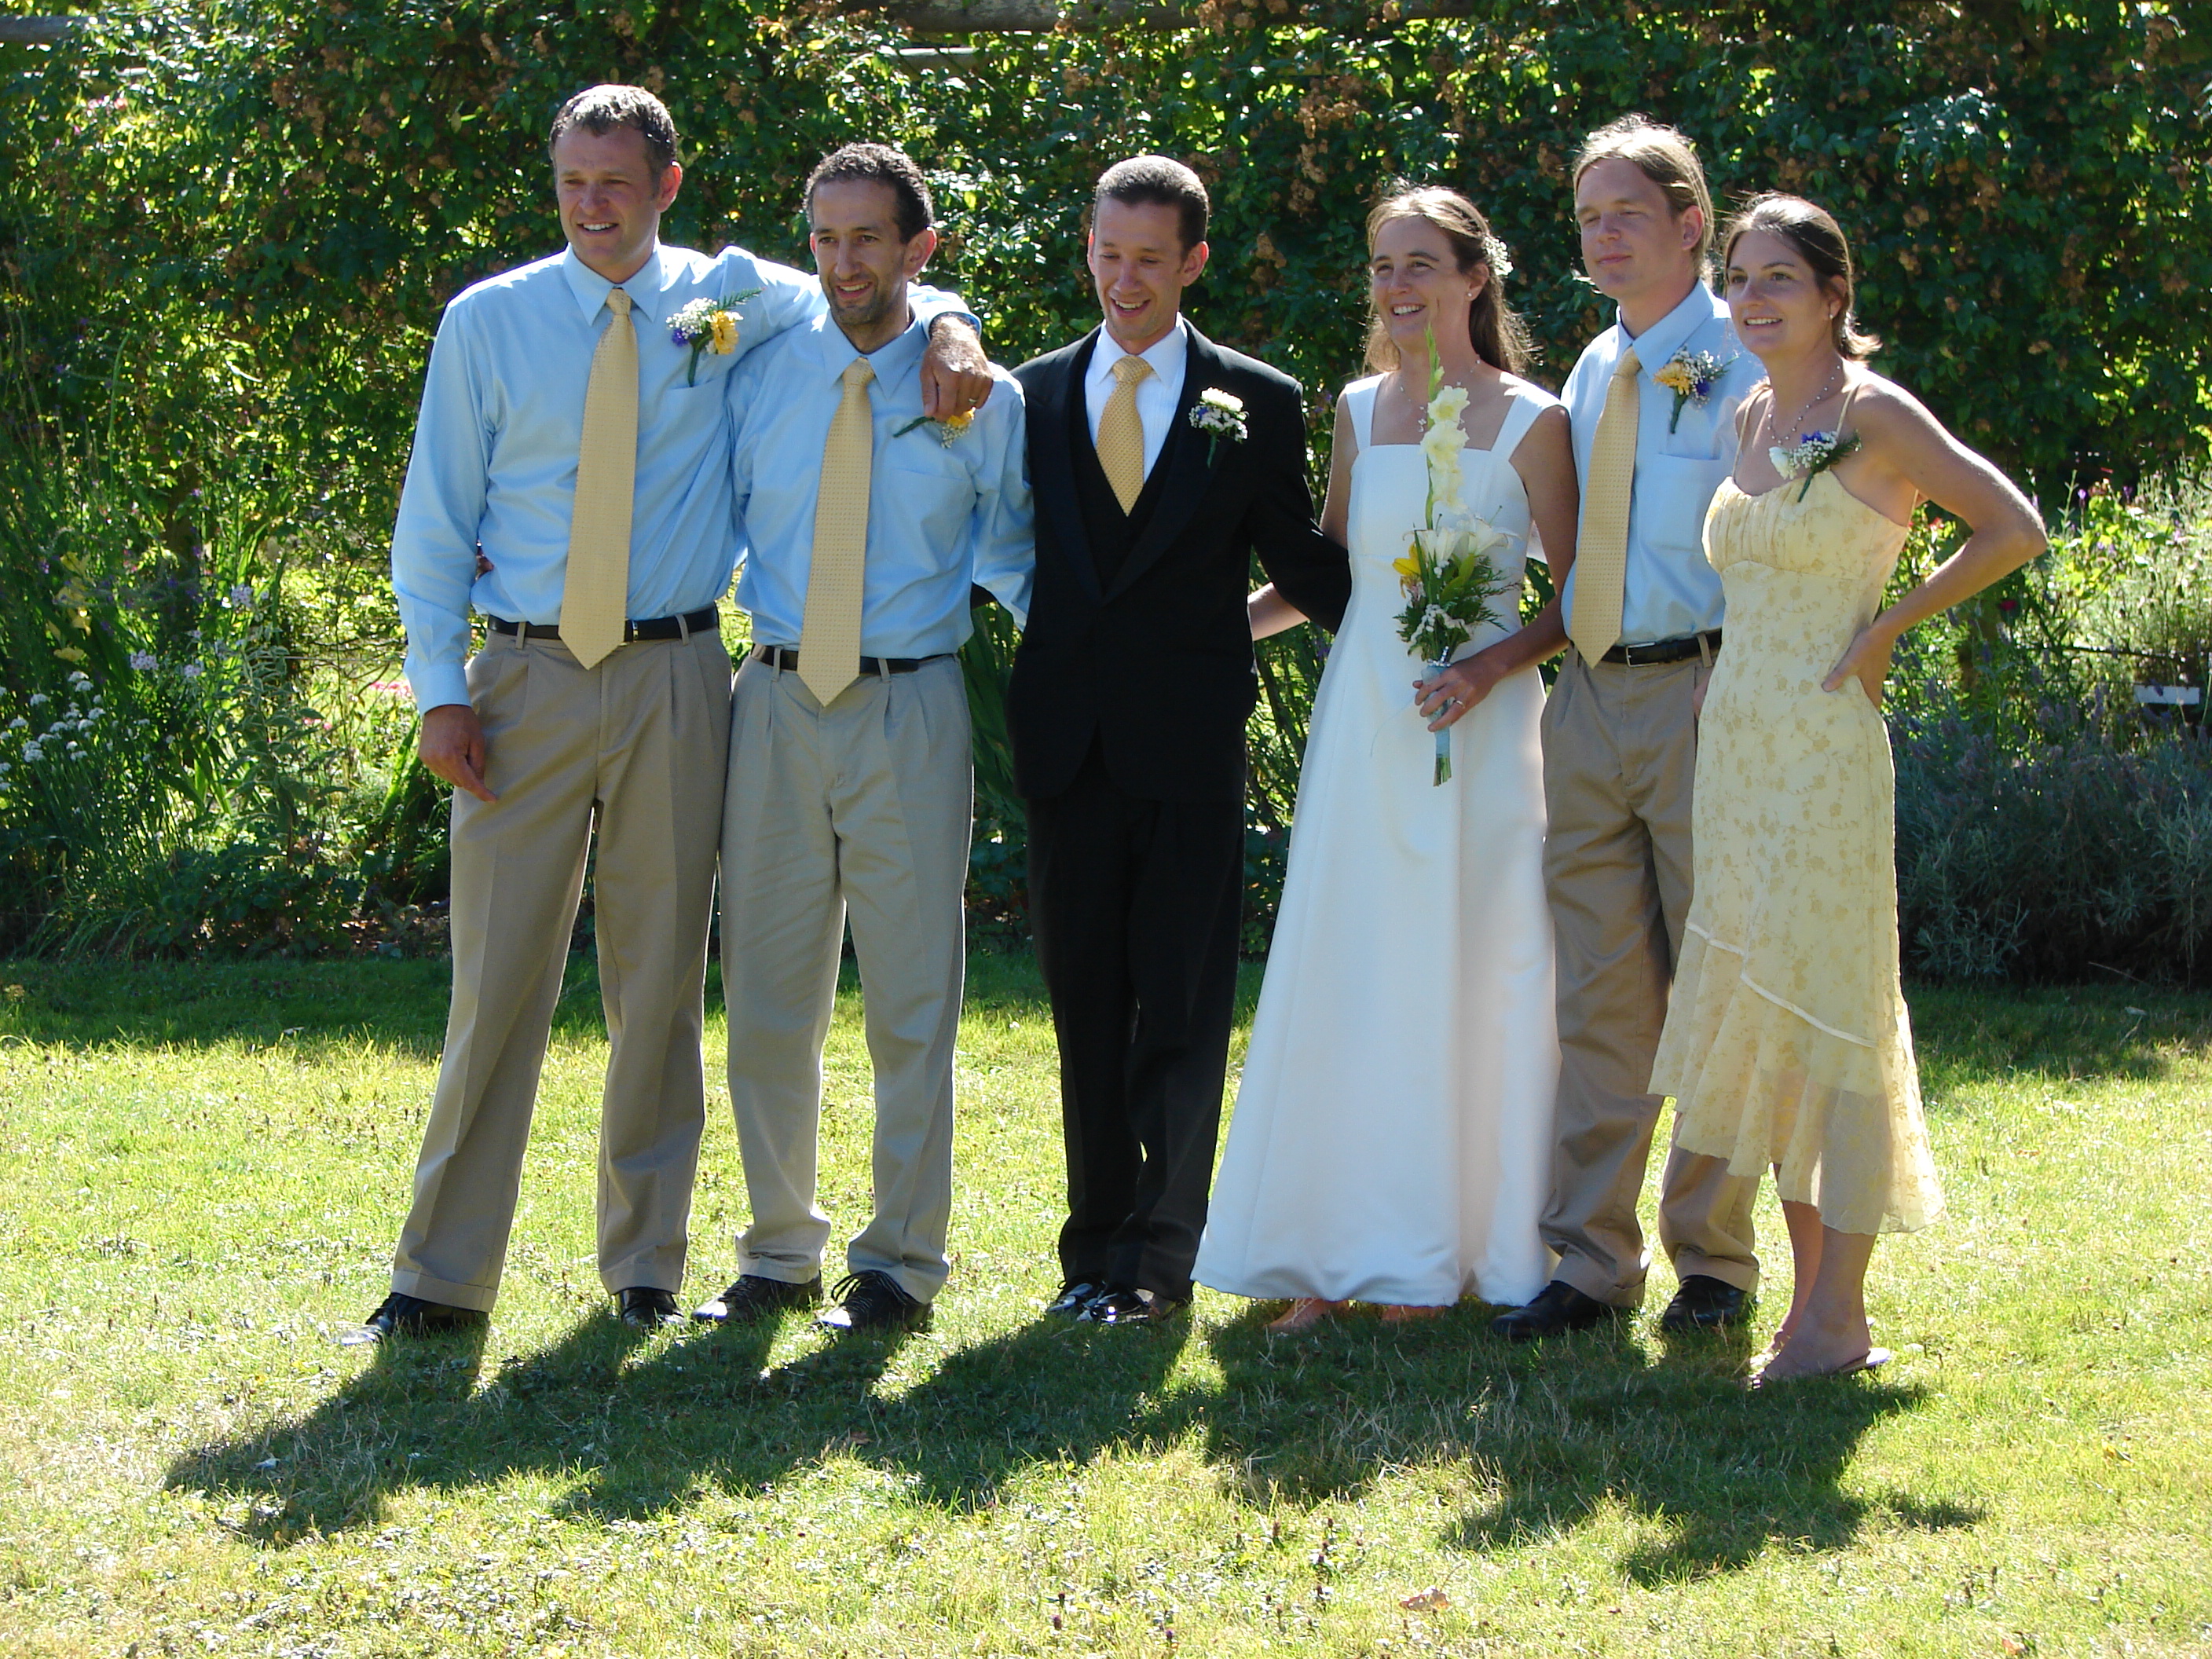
{"points": [[1122, 435], [595, 592], [829, 633], [1602, 551]]}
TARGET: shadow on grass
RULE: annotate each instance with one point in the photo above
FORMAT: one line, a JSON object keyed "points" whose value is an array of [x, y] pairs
{"points": [[633, 1426]]}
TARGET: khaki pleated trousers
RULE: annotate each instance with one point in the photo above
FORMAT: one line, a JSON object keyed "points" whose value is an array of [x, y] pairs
{"points": [[862, 809], [1620, 753], [634, 752]]}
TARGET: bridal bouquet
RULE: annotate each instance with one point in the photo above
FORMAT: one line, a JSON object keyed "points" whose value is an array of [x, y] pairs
{"points": [[1448, 572]]}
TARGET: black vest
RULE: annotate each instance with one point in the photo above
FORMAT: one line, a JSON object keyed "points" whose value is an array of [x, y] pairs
{"points": [[1112, 532]]}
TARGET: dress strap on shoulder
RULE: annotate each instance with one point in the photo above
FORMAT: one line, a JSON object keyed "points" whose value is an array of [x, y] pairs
{"points": [[1520, 414], [1359, 400], [1844, 413]]}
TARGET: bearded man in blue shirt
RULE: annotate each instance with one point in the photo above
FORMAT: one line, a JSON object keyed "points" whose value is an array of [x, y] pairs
{"points": [[867, 527], [570, 481]]}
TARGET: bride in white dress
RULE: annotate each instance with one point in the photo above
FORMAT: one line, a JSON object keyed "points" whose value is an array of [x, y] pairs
{"points": [[1392, 1139]]}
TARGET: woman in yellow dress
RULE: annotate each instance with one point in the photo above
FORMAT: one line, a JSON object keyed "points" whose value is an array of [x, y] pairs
{"points": [[1787, 1043]]}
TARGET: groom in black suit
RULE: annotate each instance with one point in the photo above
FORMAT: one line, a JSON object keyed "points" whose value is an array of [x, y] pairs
{"points": [[1160, 464]]}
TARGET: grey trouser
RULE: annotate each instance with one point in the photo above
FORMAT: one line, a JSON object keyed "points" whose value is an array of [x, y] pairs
{"points": [[863, 809], [633, 749], [1620, 754]]}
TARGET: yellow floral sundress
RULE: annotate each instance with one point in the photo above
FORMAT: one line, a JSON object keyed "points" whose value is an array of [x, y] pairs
{"points": [[1787, 1043]]}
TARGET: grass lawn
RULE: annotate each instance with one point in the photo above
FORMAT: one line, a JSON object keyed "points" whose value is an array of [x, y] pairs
{"points": [[206, 1166]]}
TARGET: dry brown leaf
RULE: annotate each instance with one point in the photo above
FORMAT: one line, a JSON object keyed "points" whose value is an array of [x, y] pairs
{"points": [[1432, 1600]]}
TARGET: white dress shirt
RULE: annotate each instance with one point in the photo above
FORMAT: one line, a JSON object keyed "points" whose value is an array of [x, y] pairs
{"points": [[1158, 393], [493, 466], [1668, 590], [940, 515]]}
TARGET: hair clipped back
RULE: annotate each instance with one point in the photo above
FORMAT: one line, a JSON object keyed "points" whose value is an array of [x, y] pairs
{"points": [[1665, 157], [882, 165], [1162, 180], [1812, 231], [1498, 334], [600, 110]]}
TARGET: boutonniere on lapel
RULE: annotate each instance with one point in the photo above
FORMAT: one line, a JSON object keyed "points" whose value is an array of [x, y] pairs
{"points": [[708, 326], [946, 430], [1812, 454], [1691, 376], [1219, 415]]}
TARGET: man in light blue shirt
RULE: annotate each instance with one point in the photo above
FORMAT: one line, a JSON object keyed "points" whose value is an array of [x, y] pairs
{"points": [[1654, 437], [850, 786], [564, 431]]}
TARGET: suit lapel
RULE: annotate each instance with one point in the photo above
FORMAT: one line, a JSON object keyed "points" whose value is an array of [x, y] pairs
{"points": [[1190, 466], [1052, 429]]}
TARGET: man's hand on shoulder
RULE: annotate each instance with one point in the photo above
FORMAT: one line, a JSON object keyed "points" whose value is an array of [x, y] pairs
{"points": [[453, 747], [956, 375]]}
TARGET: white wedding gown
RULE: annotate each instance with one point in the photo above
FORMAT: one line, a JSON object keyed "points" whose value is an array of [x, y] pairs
{"points": [[1392, 1138]]}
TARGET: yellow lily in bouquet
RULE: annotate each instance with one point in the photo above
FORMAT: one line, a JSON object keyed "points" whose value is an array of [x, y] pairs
{"points": [[1448, 574]]}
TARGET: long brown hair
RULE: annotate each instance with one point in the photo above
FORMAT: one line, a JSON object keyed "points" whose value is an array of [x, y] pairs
{"points": [[1818, 240], [1500, 338]]}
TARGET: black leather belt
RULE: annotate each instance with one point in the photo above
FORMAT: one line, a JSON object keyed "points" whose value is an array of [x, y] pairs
{"points": [[783, 656], [656, 628], [1690, 645]]}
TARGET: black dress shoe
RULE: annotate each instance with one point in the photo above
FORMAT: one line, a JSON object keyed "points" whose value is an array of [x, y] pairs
{"points": [[1705, 1303], [1558, 1308], [755, 1298], [1133, 1308], [872, 1301], [398, 1315], [1075, 1295], [647, 1308]]}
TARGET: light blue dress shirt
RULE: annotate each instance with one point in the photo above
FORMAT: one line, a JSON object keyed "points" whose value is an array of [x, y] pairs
{"points": [[494, 465], [940, 515], [1668, 589]]}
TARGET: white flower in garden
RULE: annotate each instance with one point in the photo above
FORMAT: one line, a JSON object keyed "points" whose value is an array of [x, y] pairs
{"points": [[240, 598], [190, 670], [17, 723], [32, 752], [144, 661], [38, 700], [79, 677]]}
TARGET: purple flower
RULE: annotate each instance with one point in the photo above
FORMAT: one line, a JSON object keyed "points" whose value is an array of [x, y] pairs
{"points": [[144, 661]]}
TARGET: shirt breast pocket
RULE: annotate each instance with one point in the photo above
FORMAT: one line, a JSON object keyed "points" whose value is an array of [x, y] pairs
{"points": [[932, 492], [1672, 494]]}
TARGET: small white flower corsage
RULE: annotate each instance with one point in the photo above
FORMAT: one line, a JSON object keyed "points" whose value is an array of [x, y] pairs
{"points": [[1691, 376], [946, 430], [1811, 455], [1219, 415]]}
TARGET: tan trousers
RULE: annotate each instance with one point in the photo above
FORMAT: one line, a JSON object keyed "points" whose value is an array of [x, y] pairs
{"points": [[1620, 749], [862, 809], [636, 748]]}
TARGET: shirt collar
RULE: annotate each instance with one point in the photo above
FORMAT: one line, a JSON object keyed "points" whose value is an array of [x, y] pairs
{"points": [[645, 288], [1166, 354], [895, 362], [1658, 344]]}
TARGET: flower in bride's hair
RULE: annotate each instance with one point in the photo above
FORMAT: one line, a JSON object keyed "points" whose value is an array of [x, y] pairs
{"points": [[1495, 256]]}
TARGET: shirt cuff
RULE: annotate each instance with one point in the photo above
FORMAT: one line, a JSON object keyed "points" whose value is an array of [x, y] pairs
{"points": [[435, 687]]}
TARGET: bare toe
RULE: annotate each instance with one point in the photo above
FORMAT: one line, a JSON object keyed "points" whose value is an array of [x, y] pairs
{"points": [[1305, 1313]]}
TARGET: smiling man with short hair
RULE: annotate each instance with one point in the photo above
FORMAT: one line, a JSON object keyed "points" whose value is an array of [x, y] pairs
{"points": [[570, 483], [1162, 462], [850, 781]]}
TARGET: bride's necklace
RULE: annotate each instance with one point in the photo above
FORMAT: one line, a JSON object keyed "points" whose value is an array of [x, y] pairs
{"points": [[1818, 399]]}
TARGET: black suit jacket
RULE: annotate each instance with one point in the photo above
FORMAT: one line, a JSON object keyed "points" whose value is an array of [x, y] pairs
{"points": [[1157, 665]]}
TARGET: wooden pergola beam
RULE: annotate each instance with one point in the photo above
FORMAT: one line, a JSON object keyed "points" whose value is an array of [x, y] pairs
{"points": [[39, 31]]}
